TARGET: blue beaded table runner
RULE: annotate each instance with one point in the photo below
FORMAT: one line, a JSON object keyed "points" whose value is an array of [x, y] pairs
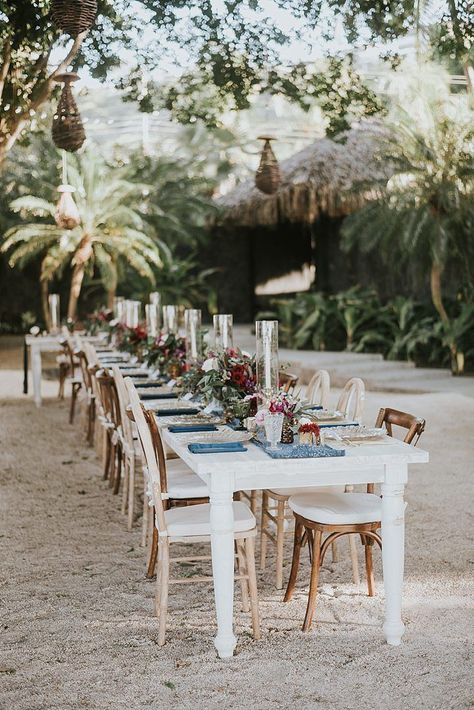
{"points": [[297, 451]]}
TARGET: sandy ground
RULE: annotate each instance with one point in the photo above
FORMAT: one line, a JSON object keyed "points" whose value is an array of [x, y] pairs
{"points": [[77, 624]]}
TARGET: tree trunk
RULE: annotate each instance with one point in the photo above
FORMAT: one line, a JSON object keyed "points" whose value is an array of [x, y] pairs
{"points": [[457, 358], [75, 290], [45, 303], [110, 297]]}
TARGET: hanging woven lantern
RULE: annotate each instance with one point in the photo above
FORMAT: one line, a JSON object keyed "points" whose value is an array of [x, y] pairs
{"points": [[74, 16], [68, 131], [67, 215], [267, 177]]}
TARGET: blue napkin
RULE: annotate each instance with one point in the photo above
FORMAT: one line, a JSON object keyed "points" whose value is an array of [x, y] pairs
{"points": [[183, 428], [175, 412], [147, 395], [135, 374], [222, 448], [153, 383], [316, 406]]}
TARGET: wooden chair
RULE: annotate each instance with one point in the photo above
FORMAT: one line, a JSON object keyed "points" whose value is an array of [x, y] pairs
{"points": [[89, 397], [339, 514], [288, 381], [190, 525], [274, 511], [317, 391], [68, 364], [111, 421]]}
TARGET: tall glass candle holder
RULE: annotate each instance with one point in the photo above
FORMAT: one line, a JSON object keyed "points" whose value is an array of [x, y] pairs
{"points": [[223, 331], [192, 325], [155, 298], [132, 313], [170, 319], [267, 363], [54, 312], [118, 308], [152, 317]]}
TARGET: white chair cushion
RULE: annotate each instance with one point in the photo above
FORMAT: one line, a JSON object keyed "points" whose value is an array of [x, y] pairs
{"points": [[194, 520], [182, 482], [338, 508], [304, 491]]}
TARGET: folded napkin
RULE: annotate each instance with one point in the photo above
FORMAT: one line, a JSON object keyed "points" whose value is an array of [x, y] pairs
{"points": [[153, 383], [162, 395], [223, 448], [314, 407], [175, 412], [188, 428]]}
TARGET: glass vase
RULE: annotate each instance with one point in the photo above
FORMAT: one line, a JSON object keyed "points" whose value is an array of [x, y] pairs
{"points": [[267, 363], [119, 308], [54, 313], [152, 317], [193, 335], [273, 424], [223, 331], [132, 313], [170, 319]]}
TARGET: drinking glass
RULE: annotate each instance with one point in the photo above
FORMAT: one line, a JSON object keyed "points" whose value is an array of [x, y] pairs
{"points": [[54, 312], [170, 319], [192, 323], [273, 424]]}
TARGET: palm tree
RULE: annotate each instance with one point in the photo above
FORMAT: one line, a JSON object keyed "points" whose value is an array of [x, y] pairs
{"points": [[425, 212], [111, 230]]}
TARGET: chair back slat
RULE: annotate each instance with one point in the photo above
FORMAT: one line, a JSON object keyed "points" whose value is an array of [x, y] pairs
{"points": [[352, 399], [318, 388], [146, 441], [124, 402]]}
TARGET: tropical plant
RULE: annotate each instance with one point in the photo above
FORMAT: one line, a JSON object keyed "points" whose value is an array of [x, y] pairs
{"points": [[111, 230], [423, 212]]}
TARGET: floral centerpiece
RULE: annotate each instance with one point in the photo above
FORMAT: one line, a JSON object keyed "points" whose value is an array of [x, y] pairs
{"points": [[167, 353], [131, 340], [227, 378], [290, 407], [98, 320]]}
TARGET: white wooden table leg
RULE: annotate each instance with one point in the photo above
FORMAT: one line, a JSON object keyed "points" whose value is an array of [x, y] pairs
{"points": [[393, 544], [222, 546], [36, 373]]}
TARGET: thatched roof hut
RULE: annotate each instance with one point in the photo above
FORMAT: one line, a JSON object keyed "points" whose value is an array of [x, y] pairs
{"points": [[318, 179]]}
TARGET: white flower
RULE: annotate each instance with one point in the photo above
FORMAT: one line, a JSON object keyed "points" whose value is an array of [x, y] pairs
{"points": [[211, 363]]}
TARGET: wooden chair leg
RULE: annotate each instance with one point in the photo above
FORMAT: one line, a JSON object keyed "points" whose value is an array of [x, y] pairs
{"points": [[253, 501], [126, 478], [72, 408], [131, 494], [118, 470], [295, 563], [153, 554], [252, 582], [107, 455], [280, 540], [263, 527], [112, 467], [334, 552], [368, 544], [354, 559], [242, 570], [313, 585], [164, 563]]}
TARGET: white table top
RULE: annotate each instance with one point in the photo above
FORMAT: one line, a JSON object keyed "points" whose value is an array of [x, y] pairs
{"points": [[361, 464]]}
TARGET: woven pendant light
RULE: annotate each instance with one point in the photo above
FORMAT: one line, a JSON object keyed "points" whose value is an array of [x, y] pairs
{"points": [[267, 177], [74, 16], [67, 215], [68, 131]]}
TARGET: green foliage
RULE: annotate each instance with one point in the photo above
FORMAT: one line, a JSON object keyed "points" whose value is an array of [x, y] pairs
{"points": [[401, 329]]}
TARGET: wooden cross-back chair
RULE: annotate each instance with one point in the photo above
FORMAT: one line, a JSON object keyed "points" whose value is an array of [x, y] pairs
{"points": [[355, 513], [189, 525], [68, 364]]}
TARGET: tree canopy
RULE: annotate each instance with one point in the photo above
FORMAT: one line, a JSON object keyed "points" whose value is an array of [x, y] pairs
{"points": [[227, 50]]}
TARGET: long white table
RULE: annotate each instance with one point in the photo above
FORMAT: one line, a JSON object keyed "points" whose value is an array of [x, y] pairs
{"points": [[385, 463]]}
